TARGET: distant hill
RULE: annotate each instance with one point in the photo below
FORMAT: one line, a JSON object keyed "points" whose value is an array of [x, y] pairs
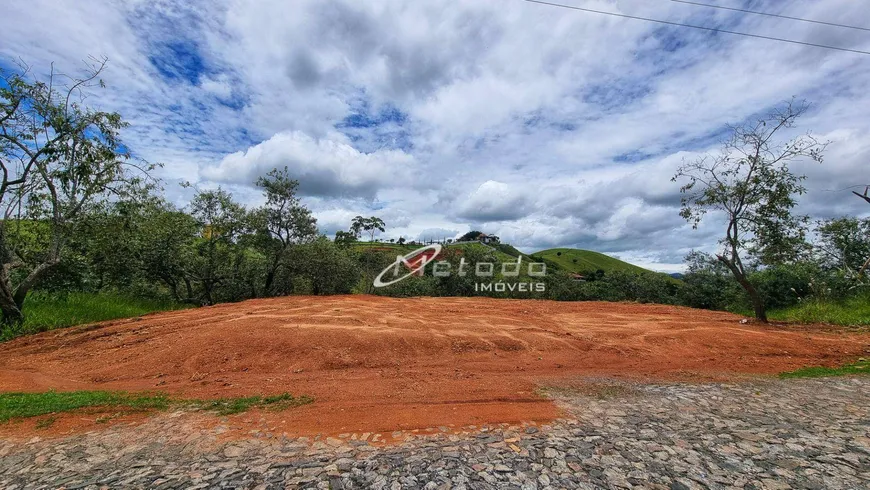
{"points": [[585, 261], [567, 259], [501, 253]]}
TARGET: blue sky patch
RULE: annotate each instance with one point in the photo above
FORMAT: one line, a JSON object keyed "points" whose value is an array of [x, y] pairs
{"points": [[371, 129], [178, 59]]}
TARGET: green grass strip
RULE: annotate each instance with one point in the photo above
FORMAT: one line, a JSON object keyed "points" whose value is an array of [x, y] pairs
{"points": [[860, 367], [47, 311], [853, 311], [22, 405]]}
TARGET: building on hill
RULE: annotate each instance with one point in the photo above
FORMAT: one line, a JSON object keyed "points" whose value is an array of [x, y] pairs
{"points": [[488, 239]]}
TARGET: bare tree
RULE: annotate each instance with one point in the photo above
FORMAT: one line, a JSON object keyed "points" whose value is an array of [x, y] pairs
{"points": [[57, 157], [864, 196], [751, 184]]}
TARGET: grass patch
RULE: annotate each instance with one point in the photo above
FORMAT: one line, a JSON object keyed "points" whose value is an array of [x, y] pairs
{"points": [[585, 261], [23, 405], [860, 367], [47, 311], [850, 312]]}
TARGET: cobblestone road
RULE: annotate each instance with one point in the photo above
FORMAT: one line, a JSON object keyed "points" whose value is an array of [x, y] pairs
{"points": [[768, 434]]}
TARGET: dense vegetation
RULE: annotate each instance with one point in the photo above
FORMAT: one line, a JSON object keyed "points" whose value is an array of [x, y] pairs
{"points": [[87, 236]]}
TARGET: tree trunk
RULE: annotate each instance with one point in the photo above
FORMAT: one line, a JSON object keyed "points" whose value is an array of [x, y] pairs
{"points": [[272, 272], [188, 287], [207, 286], [30, 281], [12, 314], [754, 297]]}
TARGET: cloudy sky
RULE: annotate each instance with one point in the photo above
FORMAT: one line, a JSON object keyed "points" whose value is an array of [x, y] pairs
{"points": [[547, 126]]}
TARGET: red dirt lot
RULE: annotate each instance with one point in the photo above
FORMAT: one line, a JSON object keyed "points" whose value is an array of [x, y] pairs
{"points": [[379, 364]]}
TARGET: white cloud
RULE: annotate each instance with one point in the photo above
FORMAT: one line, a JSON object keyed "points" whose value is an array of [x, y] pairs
{"points": [[324, 167], [494, 201], [220, 86], [544, 125]]}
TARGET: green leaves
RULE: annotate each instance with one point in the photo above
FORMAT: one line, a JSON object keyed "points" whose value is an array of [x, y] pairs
{"points": [[750, 183], [369, 225], [58, 160]]}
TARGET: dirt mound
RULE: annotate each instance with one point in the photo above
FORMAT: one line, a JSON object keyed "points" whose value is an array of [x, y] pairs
{"points": [[376, 363]]}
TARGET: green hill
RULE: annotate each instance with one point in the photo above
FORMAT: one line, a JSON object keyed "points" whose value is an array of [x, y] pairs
{"points": [[584, 261], [500, 254], [565, 259]]}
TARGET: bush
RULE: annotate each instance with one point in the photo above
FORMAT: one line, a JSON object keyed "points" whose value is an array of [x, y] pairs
{"points": [[409, 287], [713, 291], [319, 267]]}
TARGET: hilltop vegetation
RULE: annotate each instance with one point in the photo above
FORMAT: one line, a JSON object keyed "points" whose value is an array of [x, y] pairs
{"points": [[570, 260], [585, 261]]}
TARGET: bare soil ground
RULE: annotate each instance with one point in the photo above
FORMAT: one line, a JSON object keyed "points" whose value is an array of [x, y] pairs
{"points": [[380, 364]]}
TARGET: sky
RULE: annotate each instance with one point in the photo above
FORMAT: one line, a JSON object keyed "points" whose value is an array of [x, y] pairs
{"points": [[546, 126]]}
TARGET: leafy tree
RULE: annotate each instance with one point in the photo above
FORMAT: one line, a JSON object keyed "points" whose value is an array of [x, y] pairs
{"points": [[709, 284], [322, 266], [57, 157], [344, 238], [283, 222], [112, 239], [401, 240], [370, 225], [166, 249], [220, 221], [844, 243], [751, 184], [371, 262], [470, 236]]}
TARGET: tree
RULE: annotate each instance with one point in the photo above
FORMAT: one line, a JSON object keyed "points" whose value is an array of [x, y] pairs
{"points": [[114, 239], [322, 266], [709, 284], [751, 184], [844, 243], [344, 238], [282, 222], [401, 240], [470, 236], [220, 221], [369, 225], [57, 158]]}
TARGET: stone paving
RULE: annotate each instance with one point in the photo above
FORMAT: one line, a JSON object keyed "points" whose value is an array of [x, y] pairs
{"points": [[765, 434]]}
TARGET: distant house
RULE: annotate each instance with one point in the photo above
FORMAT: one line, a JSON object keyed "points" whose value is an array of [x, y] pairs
{"points": [[488, 239], [578, 277]]}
